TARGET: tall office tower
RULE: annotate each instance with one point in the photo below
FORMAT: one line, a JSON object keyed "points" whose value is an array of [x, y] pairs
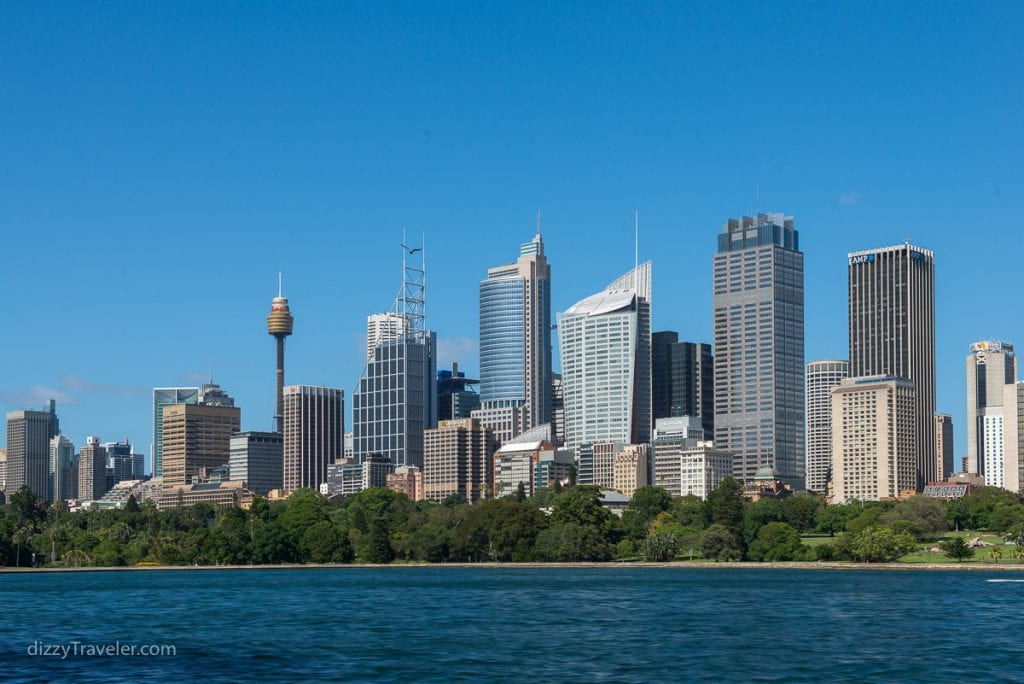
{"points": [[380, 328], [456, 397], [683, 379], [515, 341], [396, 399], [195, 437], [314, 434], [62, 456], [257, 459], [822, 376], [458, 460], [991, 366], [557, 409], [759, 346], [605, 343], [166, 396], [943, 446], [1013, 436], [279, 324], [892, 330], [122, 463], [28, 450], [874, 439], [3, 469], [92, 470]]}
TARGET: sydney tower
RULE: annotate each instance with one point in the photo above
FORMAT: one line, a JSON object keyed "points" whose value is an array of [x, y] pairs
{"points": [[279, 324]]}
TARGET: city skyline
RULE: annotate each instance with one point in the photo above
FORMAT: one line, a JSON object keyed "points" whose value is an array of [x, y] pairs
{"points": [[327, 176]]}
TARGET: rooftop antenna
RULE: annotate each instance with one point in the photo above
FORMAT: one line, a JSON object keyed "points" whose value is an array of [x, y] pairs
{"points": [[211, 369], [538, 222], [757, 201]]}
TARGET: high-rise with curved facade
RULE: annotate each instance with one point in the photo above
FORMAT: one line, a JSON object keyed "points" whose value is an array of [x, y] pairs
{"points": [[605, 344], [822, 378]]}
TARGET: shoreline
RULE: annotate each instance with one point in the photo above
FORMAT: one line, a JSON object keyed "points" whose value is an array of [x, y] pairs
{"points": [[680, 565]]}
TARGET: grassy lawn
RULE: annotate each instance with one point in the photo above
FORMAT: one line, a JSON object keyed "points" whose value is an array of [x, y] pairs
{"points": [[922, 555]]}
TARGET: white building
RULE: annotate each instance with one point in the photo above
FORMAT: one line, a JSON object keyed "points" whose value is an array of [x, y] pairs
{"points": [[822, 376], [605, 343]]}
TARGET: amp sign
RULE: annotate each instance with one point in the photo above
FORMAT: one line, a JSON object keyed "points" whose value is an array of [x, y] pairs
{"points": [[862, 259]]}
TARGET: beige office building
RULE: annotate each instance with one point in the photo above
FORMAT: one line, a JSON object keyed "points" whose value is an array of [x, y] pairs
{"points": [[1013, 436], [92, 470], [408, 480], [28, 451], [874, 439], [458, 460], [631, 467], [194, 436]]}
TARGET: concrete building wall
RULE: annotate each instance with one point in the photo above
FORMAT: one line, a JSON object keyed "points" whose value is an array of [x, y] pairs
{"points": [[822, 377], [195, 436], [874, 439], [314, 434], [458, 460]]}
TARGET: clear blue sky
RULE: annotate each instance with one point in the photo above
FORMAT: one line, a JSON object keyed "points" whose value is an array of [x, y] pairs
{"points": [[160, 162]]}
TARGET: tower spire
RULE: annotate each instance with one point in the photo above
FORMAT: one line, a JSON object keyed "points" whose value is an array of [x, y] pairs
{"points": [[280, 283], [636, 240], [538, 222]]}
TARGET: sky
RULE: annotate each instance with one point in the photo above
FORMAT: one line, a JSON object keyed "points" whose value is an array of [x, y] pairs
{"points": [[160, 163]]}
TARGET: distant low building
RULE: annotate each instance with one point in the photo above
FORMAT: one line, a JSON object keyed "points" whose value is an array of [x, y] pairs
{"points": [[766, 485], [347, 476], [216, 493], [631, 468], [947, 490], [616, 502], [407, 480]]}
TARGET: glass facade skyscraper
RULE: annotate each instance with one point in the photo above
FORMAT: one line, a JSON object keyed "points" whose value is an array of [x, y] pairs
{"points": [[759, 347], [515, 343]]}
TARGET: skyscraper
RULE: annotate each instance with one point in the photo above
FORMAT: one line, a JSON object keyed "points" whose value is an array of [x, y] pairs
{"points": [[822, 377], [892, 330], [874, 439], [683, 379], [944, 446], [991, 366], [605, 343], [759, 346], [396, 399], [515, 340], [62, 457], [122, 463], [279, 324], [381, 327], [28, 450], [92, 470], [314, 434], [165, 396], [196, 436]]}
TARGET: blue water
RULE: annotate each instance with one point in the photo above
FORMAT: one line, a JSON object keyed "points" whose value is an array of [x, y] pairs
{"points": [[454, 624]]}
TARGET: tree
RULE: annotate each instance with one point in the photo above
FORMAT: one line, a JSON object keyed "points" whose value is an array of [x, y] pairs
{"points": [[324, 542], [647, 502], [570, 541], [975, 510], [725, 507], [1018, 553], [498, 530], [995, 553], [931, 515], [719, 544], [689, 510], [667, 541], [881, 544], [801, 511], [521, 492], [832, 519], [759, 514], [957, 548], [581, 505], [776, 541]]}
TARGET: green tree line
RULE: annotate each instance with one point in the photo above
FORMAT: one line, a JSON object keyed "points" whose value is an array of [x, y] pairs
{"points": [[558, 524]]}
